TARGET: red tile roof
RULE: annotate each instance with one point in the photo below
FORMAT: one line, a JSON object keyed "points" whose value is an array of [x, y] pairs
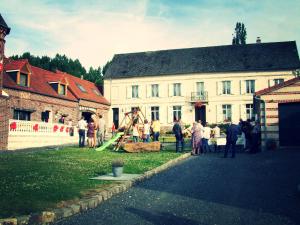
{"points": [[277, 86], [89, 87], [40, 83]]}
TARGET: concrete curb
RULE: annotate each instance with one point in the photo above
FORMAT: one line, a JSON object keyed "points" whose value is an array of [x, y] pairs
{"points": [[91, 200]]}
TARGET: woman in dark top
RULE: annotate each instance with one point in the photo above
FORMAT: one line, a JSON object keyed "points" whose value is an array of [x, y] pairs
{"points": [[90, 133]]}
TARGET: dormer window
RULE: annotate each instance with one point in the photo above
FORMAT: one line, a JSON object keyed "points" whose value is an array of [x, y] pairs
{"points": [[62, 89], [23, 81]]}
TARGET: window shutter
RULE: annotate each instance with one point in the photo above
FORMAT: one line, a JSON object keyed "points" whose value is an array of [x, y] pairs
{"points": [[182, 90], [242, 87], [160, 92], [148, 113], [219, 87], [243, 111], [170, 114], [148, 90], [128, 91], [271, 82], [170, 87]]}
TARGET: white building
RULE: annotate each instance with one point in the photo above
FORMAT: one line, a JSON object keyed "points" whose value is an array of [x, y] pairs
{"points": [[214, 84]]}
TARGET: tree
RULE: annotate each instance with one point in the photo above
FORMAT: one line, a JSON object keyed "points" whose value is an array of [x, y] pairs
{"points": [[240, 34]]}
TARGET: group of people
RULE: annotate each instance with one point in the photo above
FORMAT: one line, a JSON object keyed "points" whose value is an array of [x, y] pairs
{"points": [[250, 133], [146, 131], [96, 129], [200, 136]]}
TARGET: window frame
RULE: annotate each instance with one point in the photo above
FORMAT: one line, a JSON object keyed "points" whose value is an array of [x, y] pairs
{"points": [[281, 80], [155, 91], [177, 112], [250, 86], [227, 112], [177, 89], [26, 80], [25, 115], [134, 91], [154, 112], [200, 89], [249, 111], [62, 87], [226, 87]]}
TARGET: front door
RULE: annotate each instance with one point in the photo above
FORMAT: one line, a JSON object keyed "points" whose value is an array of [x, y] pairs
{"points": [[200, 114], [116, 117]]}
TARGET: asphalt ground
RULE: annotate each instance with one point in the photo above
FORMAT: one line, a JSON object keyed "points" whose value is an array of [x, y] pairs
{"points": [[208, 189]]}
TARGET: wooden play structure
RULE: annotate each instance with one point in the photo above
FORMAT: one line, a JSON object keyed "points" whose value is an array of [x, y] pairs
{"points": [[130, 118]]}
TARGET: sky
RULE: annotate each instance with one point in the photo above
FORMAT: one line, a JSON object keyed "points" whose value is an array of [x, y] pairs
{"points": [[94, 30]]}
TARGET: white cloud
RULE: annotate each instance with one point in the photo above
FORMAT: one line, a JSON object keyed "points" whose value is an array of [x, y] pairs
{"points": [[94, 31]]}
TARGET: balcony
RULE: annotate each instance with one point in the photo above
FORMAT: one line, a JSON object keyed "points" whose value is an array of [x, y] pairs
{"points": [[199, 96]]}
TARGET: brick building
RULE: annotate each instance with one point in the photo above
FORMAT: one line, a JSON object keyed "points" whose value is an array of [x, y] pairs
{"points": [[37, 106], [278, 108], [4, 30]]}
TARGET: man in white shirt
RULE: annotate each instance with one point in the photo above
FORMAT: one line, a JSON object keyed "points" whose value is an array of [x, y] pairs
{"points": [[81, 127], [206, 137], [101, 130]]}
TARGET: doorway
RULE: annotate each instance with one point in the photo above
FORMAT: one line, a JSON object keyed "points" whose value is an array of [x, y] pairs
{"points": [[200, 114], [87, 116], [116, 117]]}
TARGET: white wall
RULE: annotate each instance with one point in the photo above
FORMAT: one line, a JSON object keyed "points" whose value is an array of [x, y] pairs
{"points": [[118, 92]]}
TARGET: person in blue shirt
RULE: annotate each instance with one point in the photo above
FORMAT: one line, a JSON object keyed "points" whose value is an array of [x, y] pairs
{"points": [[232, 133]]}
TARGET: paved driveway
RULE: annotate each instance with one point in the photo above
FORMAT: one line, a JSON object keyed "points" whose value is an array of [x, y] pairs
{"points": [[208, 189]]}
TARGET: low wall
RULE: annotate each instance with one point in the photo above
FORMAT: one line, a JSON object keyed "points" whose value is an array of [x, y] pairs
{"points": [[31, 134]]}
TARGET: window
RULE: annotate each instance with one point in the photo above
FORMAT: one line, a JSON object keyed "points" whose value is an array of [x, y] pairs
{"points": [[96, 92], [250, 86], [176, 113], [200, 88], [177, 89], [278, 81], [81, 88], [154, 92], [154, 113], [135, 91], [226, 112], [62, 89], [249, 111], [23, 79], [21, 115], [226, 87]]}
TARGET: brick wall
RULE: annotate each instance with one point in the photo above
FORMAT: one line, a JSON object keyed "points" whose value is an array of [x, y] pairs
{"points": [[3, 123], [40, 103]]}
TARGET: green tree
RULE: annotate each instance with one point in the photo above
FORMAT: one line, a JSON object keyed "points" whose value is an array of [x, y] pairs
{"points": [[105, 67], [240, 34]]}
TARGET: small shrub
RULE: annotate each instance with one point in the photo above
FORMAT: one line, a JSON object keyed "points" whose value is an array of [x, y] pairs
{"points": [[117, 163]]}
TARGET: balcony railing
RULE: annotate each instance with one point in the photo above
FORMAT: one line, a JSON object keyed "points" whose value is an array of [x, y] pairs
{"points": [[199, 96]]}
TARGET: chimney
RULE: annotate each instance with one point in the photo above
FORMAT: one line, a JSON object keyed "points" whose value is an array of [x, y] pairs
{"points": [[258, 40], [81, 77]]}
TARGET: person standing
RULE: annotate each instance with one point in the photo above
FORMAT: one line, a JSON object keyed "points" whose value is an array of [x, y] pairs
{"points": [[146, 131], [206, 137], [178, 135], [196, 138], [156, 129], [91, 133], [232, 133], [81, 129], [255, 137], [101, 130], [135, 132]]}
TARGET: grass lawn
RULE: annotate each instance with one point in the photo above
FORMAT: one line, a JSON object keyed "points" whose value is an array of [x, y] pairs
{"points": [[35, 181]]}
